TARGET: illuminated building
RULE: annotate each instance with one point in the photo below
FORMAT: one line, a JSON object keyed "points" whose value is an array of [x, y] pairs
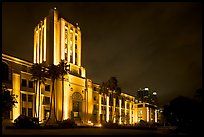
{"points": [[147, 109], [56, 39], [145, 95]]}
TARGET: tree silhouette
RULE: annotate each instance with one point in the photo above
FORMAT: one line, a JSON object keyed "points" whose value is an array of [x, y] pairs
{"points": [[185, 113], [38, 72], [53, 73], [8, 100]]}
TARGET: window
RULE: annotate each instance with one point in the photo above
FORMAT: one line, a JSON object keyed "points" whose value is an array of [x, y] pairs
{"points": [[46, 101], [71, 59], [95, 107], [75, 37], [65, 56], [24, 97], [24, 82], [66, 31], [94, 97], [30, 98], [30, 84], [5, 71], [140, 106], [30, 112], [23, 111], [75, 46], [47, 87], [140, 112]]}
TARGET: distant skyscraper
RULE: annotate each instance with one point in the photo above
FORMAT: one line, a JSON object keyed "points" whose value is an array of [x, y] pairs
{"points": [[145, 95]]}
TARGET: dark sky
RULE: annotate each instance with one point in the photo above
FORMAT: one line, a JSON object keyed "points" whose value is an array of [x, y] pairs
{"points": [[157, 45]]}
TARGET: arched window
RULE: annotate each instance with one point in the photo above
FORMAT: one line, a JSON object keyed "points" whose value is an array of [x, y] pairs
{"points": [[5, 72]]}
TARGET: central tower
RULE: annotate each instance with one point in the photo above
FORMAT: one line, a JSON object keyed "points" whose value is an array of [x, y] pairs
{"points": [[56, 39]]}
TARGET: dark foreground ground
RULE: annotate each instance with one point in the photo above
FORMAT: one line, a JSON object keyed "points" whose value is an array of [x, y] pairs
{"points": [[89, 131]]}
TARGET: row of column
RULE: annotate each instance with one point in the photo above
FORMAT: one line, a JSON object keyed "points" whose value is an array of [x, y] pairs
{"points": [[113, 111]]}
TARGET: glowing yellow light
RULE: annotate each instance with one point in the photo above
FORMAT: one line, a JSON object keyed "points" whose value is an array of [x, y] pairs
{"points": [[147, 114], [120, 111], [107, 109]]}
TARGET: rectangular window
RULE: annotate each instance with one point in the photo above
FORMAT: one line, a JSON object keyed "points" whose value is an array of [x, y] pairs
{"points": [[23, 111], [30, 98], [30, 84], [46, 101], [75, 37], [24, 97], [47, 87], [140, 112], [30, 112], [71, 59], [65, 56], [75, 46], [24, 82], [140, 106], [66, 31]]}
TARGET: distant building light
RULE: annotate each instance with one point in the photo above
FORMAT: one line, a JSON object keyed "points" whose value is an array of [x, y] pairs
{"points": [[55, 8], [146, 89], [154, 93], [77, 24]]}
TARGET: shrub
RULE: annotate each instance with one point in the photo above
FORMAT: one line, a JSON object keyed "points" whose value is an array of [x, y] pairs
{"points": [[110, 125], [68, 123], [26, 122]]}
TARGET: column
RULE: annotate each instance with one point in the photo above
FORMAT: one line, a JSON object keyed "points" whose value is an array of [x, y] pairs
{"points": [[125, 111], [44, 40], [107, 109], [155, 115], [99, 105], [147, 114], [120, 102], [114, 114], [130, 106]]}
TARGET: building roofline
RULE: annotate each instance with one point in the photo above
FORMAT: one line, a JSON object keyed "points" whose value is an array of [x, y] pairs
{"points": [[16, 59]]}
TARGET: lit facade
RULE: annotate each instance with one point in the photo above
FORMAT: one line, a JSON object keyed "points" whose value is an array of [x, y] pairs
{"points": [[56, 39]]}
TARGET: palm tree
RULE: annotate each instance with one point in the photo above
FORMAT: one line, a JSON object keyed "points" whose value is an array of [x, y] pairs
{"points": [[63, 69], [112, 84], [38, 75], [53, 73], [103, 88]]}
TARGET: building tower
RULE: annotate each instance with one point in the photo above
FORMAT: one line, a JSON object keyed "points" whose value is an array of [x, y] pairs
{"points": [[56, 39]]}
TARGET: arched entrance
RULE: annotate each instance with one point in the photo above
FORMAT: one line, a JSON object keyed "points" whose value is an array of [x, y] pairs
{"points": [[76, 106]]}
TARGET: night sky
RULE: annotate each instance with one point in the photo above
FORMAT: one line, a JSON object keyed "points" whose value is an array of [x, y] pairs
{"points": [[155, 45]]}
